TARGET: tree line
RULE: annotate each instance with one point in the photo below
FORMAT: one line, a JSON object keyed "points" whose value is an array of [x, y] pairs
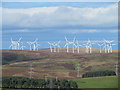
{"points": [[23, 82], [99, 73]]}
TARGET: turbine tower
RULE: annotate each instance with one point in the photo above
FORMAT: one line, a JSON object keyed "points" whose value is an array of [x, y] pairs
{"points": [[19, 43], [54, 45], [105, 45], [108, 46], [88, 46], [30, 44], [34, 45], [70, 43], [50, 44], [100, 45], [66, 45], [22, 46], [78, 46], [58, 46], [111, 46]]}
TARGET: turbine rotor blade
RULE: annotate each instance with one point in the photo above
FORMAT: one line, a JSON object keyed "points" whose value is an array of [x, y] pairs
{"points": [[19, 39], [11, 40], [66, 39], [74, 39]]}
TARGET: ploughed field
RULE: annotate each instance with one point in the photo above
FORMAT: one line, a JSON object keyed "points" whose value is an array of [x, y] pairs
{"points": [[62, 65]]}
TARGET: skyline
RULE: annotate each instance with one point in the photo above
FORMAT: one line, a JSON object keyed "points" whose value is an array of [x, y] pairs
{"points": [[53, 21]]}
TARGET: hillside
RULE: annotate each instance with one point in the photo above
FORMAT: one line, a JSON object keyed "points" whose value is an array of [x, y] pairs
{"points": [[61, 65]]}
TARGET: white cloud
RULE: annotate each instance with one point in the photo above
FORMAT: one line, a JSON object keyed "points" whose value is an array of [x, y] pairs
{"points": [[23, 30], [20, 30], [60, 16], [75, 31], [113, 31]]}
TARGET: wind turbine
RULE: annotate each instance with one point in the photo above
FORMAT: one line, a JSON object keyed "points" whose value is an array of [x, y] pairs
{"points": [[18, 43], [58, 45], [88, 46], [66, 45], [73, 42], [22, 47], [78, 46], [30, 44], [50, 44], [15, 44], [54, 45], [35, 45], [110, 45], [100, 45], [69, 43], [105, 45]]}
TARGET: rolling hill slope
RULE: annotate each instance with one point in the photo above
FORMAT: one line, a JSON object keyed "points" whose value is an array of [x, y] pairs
{"points": [[61, 65]]}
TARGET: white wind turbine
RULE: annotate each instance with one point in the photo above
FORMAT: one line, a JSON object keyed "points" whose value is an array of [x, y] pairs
{"points": [[19, 43], [30, 44], [50, 44], [35, 44], [66, 45], [100, 45], [15, 44], [110, 43], [54, 45], [108, 46], [69, 43], [22, 46], [58, 45], [78, 46], [88, 46], [73, 43], [105, 45]]}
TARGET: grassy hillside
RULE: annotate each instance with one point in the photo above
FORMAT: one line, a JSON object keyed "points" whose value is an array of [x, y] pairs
{"points": [[63, 65], [98, 82]]}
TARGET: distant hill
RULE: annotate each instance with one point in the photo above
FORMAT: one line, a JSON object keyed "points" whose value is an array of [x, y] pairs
{"points": [[62, 64], [9, 56]]}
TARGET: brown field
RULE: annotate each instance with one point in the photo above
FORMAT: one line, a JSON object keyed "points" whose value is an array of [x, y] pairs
{"points": [[61, 65]]}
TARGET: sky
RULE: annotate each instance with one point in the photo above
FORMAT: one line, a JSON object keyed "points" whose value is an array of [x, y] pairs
{"points": [[52, 21]]}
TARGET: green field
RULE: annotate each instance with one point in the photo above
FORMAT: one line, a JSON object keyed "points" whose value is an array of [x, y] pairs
{"points": [[98, 82]]}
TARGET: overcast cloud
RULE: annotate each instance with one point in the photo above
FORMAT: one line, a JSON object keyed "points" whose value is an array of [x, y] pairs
{"points": [[70, 17]]}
